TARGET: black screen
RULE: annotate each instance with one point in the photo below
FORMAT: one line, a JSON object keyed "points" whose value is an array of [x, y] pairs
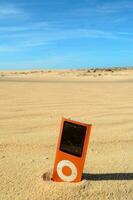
{"points": [[72, 140]]}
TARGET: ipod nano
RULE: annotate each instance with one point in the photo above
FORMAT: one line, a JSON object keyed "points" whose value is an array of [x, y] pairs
{"points": [[71, 151]]}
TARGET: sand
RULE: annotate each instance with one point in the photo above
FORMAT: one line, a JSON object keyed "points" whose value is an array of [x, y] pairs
{"points": [[31, 106]]}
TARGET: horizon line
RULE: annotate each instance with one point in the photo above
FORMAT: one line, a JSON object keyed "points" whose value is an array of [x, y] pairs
{"points": [[68, 68]]}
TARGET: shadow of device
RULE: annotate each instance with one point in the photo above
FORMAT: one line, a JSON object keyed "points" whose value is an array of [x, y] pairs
{"points": [[107, 176]]}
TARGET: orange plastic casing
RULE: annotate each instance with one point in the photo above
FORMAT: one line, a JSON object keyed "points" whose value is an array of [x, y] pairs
{"points": [[77, 161]]}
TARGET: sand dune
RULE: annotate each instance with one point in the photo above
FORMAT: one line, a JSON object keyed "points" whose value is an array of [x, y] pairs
{"points": [[31, 107]]}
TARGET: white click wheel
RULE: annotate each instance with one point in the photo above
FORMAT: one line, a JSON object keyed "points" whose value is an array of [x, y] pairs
{"points": [[71, 166]]}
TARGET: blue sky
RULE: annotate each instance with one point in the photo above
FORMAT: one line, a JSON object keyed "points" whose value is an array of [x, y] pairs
{"points": [[65, 33]]}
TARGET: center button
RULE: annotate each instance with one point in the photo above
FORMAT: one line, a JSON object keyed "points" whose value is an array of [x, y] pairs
{"points": [[67, 171]]}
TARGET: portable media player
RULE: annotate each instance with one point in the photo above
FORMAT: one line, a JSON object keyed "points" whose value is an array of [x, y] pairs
{"points": [[71, 151]]}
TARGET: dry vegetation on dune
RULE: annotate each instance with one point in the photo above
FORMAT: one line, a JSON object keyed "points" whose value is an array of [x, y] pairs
{"points": [[31, 106], [90, 73]]}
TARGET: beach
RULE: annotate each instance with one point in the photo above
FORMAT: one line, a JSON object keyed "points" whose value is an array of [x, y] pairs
{"points": [[32, 104]]}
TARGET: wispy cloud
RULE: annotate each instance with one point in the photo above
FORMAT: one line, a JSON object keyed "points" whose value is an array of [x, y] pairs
{"points": [[104, 8], [8, 48], [40, 3], [11, 10], [119, 20], [33, 37], [57, 35], [39, 38], [27, 27]]}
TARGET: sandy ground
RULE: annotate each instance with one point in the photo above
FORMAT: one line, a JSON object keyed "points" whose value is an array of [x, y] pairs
{"points": [[31, 107]]}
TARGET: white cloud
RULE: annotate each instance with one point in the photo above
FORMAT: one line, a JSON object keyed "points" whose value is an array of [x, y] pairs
{"points": [[119, 20], [10, 10], [105, 8], [54, 35], [8, 48], [30, 35], [44, 38], [28, 27]]}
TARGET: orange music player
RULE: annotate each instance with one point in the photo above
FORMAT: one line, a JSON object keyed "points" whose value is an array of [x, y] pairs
{"points": [[71, 151]]}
